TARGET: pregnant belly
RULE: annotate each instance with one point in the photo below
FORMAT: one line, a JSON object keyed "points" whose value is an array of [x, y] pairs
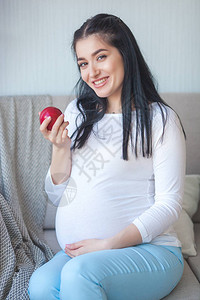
{"points": [[91, 218]]}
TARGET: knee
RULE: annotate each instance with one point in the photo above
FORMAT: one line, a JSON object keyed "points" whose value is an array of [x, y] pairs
{"points": [[78, 269], [80, 279], [41, 286], [71, 271], [35, 286]]}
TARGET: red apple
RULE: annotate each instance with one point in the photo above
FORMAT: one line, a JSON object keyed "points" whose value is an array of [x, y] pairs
{"points": [[52, 112]]}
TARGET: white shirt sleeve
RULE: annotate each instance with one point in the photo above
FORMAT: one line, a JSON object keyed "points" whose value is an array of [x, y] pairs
{"points": [[169, 174], [54, 191]]}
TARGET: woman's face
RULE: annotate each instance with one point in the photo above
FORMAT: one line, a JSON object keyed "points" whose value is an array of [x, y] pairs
{"points": [[101, 66]]}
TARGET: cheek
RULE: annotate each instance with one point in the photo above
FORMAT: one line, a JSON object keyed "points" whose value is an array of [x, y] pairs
{"points": [[122, 76], [118, 70], [121, 72], [84, 76], [119, 75]]}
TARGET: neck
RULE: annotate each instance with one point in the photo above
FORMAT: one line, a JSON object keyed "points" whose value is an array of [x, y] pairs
{"points": [[114, 109], [114, 105]]}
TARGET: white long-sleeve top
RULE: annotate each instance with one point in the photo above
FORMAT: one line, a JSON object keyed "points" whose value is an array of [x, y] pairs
{"points": [[105, 193]]}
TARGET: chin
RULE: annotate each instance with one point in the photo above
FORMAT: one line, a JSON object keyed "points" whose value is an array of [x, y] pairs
{"points": [[101, 94]]}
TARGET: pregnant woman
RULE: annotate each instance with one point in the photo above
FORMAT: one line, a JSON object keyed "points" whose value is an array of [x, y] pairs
{"points": [[116, 175]]}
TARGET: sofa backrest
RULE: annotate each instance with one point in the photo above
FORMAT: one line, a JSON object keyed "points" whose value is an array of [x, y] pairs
{"points": [[188, 108]]}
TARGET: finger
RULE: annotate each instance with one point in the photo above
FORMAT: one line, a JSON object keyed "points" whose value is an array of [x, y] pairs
{"points": [[45, 123], [65, 135], [59, 121], [62, 133], [71, 246], [63, 127], [67, 123], [68, 253], [57, 124], [72, 253], [39, 113]]}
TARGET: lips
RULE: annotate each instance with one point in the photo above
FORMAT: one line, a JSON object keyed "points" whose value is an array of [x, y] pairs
{"points": [[100, 82]]}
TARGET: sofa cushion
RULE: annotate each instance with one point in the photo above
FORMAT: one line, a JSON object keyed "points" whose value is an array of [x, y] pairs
{"points": [[184, 228], [191, 194], [194, 262], [187, 288], [196, 217]]}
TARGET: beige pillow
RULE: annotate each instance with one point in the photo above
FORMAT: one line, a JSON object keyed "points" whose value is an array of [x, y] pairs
{"points": [[184, 229], [184, 226], [191, 194]]}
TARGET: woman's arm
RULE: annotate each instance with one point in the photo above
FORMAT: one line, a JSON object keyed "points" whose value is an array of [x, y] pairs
{"points": [[129, 236], [169, 174], [59, 172], [54, 191], [60, 168], [61, 164]]}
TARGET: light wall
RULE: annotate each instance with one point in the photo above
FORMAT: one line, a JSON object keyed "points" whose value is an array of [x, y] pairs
{"points": [[35, 39]]}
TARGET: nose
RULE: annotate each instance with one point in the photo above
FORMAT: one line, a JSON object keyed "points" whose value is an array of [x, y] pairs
{"points": [[93, 70]]}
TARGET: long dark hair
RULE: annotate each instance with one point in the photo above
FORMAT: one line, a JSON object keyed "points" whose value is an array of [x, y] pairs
{"points": [[138, 86]]}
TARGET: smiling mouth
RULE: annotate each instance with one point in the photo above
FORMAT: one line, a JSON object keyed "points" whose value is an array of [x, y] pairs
{"points": [[100, 82]]}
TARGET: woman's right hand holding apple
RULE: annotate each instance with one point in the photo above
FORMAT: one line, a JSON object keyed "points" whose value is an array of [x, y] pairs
{"points": [[60, 168], [58, 135]]}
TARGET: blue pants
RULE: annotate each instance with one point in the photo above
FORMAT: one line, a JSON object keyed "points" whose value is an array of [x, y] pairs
{"points": [[135, 273]]}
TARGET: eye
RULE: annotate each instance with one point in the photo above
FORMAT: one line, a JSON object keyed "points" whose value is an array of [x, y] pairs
{"points": [[82, 65], [101, 57]]}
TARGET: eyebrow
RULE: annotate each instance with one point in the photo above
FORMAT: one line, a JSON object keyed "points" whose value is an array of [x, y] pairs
{"points": [[93, 54]]}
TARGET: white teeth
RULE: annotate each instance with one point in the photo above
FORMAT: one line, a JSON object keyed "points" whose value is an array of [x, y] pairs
{"points": [[100, 81]]}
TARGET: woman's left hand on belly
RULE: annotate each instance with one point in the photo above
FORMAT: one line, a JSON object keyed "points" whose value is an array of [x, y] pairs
{"points": [[86, 246]]}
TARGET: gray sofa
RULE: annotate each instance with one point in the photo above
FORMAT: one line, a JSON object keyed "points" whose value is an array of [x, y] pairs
{"points": [[188, 108]]}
